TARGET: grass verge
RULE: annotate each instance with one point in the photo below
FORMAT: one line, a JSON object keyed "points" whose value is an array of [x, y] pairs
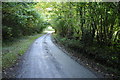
{"points": [[102, 59], [12, 50]]}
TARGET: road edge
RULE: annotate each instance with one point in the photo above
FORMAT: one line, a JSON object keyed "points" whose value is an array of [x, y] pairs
{"points": [[57, 43]]}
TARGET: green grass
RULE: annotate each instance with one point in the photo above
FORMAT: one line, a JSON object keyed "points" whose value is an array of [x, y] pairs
{"points": [[12, 50]]}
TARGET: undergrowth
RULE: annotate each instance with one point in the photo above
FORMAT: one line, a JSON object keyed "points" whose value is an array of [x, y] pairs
{"points": [[106, 56]]}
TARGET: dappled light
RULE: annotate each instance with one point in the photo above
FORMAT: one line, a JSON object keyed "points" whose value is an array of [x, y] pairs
{"points": [[88, 32], [49, 29]]}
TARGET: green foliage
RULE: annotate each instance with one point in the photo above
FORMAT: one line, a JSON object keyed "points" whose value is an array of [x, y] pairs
{"points": [[20, 19], [90, 28], [88, 21], [108, 57]]}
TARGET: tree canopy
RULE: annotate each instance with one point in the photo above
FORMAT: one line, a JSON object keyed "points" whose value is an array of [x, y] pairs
{"points": [[91, 28], [20, 19]]}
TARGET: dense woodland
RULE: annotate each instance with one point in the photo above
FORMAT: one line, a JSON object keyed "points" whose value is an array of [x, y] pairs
{"points": [[90, 28], [21, 19], [89, 22]]}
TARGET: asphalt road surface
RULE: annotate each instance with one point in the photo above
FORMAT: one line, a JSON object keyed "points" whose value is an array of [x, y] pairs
{"points": [[45, 60]]}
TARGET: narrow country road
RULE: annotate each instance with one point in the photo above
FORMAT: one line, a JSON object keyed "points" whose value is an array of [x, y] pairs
{"points": [[45, 60]]}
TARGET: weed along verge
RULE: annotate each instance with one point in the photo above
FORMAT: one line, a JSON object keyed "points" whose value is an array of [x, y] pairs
{"points": [[83, 55], [13, 50]]}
